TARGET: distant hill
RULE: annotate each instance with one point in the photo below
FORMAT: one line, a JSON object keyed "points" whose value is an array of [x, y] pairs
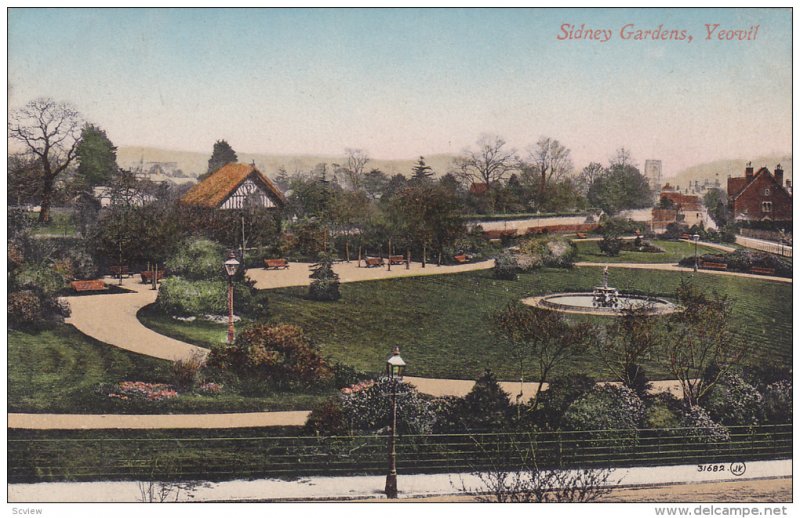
{"points": [[725, 168], [194, 164]]}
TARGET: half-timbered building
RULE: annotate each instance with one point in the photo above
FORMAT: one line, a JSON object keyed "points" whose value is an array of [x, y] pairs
{"points": [[235, 186]]}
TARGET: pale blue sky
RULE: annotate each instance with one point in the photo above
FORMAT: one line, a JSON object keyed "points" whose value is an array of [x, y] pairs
{"points": [[405, 82]]}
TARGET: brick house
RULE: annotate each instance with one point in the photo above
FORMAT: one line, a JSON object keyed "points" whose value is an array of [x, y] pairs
{"points": [[760, 196], [675, 207]]}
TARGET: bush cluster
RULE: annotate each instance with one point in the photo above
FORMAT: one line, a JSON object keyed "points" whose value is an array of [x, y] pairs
{"points": [[197, 259], [272, 356], [506, 266], [743, 260], [546, 251], [325, 282], [183, 298]]}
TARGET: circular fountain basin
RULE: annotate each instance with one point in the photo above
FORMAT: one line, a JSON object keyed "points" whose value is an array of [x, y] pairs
{"points": [[584, 303]]}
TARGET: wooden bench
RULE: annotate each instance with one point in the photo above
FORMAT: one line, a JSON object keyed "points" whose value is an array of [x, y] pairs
{"points": [[580, 235], [396, 259], [119, 271], [82, 286], [147, 276], [276, 264], [461, 259], [763, 271], [686, 236], [372, 262], [713, 266]]}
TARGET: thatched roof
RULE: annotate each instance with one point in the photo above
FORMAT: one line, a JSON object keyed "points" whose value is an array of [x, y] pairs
{"points": [[212, 192]]}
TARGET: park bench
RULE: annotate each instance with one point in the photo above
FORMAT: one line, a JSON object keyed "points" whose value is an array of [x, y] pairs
{"points": [[372, 262], [580, 235], [396, 259], [686, 236], [462, 258], [147, 276], [119, 271], [763, 271], [82, 286], [710, 265], [276, 264]]}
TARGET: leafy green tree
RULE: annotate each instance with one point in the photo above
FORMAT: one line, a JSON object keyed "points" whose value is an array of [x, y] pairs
{"points": [[325, 282], [50, 131], [375, 183], [486, 407], [222, 154], [620, 188], [97, 158], [24, 184], [716, 202]]}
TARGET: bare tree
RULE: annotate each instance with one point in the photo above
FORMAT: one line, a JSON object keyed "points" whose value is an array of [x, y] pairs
{"points": [[622, 159], [51, 131], [540, 340], [514, 476], [550, 160], [701, 347], [354, 171], [487, 164]]}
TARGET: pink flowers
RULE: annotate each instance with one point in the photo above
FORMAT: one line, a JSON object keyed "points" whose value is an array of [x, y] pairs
{"points": [[210, 388], [358, 387], [141, 390]]}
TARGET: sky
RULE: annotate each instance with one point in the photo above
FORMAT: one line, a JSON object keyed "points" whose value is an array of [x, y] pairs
{"points": [[401, 83]]}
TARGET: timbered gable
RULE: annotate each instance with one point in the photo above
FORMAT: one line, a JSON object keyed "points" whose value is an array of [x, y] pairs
{"points": [[235, 186]]}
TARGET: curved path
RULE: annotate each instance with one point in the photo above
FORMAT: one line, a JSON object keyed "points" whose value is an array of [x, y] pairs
{"points": [[112, 319]]}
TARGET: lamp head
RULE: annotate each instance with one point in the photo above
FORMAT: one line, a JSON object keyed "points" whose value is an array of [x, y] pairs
{"points": [[395, 365], [231, 265]]}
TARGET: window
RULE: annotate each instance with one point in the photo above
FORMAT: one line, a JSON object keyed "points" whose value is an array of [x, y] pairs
{"points": [[766, 206], [766, 192]]}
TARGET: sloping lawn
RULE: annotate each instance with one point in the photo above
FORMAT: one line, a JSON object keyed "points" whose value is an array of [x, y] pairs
{"points": [[674, 251], [60, 370], [442, 323]]}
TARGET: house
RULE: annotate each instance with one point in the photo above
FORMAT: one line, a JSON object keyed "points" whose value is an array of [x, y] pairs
{"points": [[760, 196], [235, 186], [676, 207]]}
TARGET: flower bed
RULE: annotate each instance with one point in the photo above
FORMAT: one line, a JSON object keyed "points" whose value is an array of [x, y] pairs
{"points": [[139, 390]]}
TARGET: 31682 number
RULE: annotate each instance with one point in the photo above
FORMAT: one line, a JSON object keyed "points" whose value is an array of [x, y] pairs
{"points": [[713, 468]]}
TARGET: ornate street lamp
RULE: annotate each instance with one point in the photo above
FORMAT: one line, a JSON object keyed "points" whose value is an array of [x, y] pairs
{"points": [[394, 371], [231, 265], [695, 238]]}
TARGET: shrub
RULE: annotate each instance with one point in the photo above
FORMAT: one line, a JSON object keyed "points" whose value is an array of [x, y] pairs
{"points": [[732, 401], [368, 410], [701, 428], [549, 251], [186, 372], [607, 407], [661, 412], [198, 259], [506, 267], [560, 394], [24, 309], [180, 297], [327, 418], [778, 401], [610, 245], [274, 356], [38, 277], [486, 407], [325, 283]]}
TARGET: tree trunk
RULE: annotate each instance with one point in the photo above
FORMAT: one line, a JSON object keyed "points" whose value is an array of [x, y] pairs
{"points": [[47, 196], [408, 258], [424, 252]]}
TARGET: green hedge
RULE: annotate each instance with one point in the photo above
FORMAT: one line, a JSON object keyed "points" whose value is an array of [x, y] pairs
{"points": [[183, 298]]}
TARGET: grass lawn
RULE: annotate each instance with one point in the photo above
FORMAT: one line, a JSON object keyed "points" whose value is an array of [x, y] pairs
{"points": [[442, 323], [60, 369], [674, 251]]}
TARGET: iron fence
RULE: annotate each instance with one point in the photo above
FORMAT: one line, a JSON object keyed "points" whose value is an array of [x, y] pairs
{"points": [[258, 456]]}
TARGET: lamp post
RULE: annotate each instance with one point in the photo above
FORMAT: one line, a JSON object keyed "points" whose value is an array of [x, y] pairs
{"points": [[231, 265], [394, 371], [695, 238]]}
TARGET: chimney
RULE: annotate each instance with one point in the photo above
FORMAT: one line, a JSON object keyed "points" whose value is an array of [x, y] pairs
{"points": [[748, 171], [779, 174]]}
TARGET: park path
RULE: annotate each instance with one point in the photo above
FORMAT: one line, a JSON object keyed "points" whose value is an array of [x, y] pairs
{"points": [[112, 319], [676, 268]]}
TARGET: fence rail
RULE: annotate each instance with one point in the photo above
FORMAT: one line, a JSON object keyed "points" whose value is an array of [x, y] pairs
{"points": [[221, 458]]}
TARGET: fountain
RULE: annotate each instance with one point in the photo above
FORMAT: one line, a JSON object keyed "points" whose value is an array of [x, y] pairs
{"points": [[603, 300]]}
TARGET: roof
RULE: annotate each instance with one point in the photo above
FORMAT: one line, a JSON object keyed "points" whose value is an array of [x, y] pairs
{"points": [[737, 186], [479, 188], [214, 190]]}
